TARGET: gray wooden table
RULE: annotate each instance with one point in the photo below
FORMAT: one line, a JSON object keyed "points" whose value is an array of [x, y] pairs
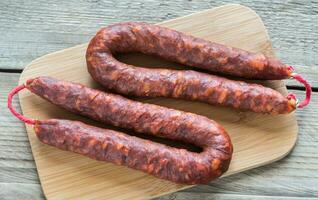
{"points": [[29, 29]]}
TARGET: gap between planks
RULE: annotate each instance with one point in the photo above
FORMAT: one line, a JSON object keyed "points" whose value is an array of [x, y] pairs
{"points": [[290, 84]]}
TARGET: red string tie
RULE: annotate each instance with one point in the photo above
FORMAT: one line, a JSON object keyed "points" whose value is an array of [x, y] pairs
{"points": [[13, 92], [300, 79]]}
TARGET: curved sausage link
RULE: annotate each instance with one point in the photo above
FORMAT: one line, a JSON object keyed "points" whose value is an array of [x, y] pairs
{"points": [[177, 165], [130, 80]]}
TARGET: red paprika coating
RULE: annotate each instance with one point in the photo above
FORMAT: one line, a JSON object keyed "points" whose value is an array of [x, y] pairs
{"points": [[172, 45], [178, 47], [177, 165], [173, 164]]}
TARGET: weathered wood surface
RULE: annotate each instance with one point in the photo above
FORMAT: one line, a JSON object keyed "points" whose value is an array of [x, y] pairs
{"points": [[294, 176], [30, 29]]}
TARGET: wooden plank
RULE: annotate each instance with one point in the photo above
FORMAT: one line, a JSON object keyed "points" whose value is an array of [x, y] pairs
{"points": [[30, 29], [18, 174], [294, 176], [212, 196], [17, 191]]}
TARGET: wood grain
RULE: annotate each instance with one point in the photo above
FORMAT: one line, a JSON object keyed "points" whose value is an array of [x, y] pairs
{"points": [[257, 139], [293, 177], [30, 29]]}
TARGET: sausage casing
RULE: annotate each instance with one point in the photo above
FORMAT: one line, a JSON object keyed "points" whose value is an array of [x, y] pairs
{"points": [[185, 49], [137, 81], [177, 165]]}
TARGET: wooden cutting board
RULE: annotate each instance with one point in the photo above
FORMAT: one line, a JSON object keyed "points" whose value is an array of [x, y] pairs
{"points": [[258, 139]]}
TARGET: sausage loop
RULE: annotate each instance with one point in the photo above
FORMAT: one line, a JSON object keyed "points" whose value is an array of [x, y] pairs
{"points": [[300, 79], [13, 92]]}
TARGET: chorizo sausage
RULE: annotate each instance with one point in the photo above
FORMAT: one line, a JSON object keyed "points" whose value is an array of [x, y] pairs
{"points": [[178, 165], [186, 84], [185, 49]]}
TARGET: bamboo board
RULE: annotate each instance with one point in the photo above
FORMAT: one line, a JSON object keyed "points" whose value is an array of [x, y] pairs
{"points": [[257, 139]]}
